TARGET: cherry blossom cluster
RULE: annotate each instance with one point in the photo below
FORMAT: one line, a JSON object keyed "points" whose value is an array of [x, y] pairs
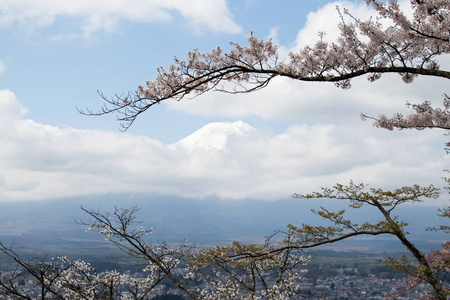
{"points": [[425, 116], [246, 271], [62, 278]]}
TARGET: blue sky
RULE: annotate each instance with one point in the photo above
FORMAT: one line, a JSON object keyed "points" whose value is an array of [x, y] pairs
{"points": [[55, 67], [55, 55]]}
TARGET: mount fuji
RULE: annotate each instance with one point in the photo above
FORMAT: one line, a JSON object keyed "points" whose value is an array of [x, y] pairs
{"points": [[214, 136]]}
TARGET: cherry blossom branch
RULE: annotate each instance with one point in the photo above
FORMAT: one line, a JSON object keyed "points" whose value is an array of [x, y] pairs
{"points": [[409, 47], [425, 116]]}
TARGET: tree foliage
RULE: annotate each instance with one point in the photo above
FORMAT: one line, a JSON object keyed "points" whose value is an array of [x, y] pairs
{"points": [[384, 202]]}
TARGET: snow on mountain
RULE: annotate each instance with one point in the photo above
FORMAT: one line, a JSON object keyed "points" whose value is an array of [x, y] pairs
{"points": [[214, 135]]}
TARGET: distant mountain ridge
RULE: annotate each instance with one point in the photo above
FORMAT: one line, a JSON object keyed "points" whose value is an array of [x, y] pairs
{"points": [[49, 226], [214, 136]]}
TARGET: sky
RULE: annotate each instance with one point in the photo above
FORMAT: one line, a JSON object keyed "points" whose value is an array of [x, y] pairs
{"points": [[57, 56]]}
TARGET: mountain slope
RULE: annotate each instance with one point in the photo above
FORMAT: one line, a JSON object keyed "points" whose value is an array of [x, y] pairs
{"points": [[214, 136]]}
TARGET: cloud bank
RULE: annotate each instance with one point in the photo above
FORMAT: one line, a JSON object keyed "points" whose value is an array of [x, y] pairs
{"points": [[40, 161]]}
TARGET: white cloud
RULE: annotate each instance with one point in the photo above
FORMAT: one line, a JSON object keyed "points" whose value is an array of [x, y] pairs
{"points": [[2, 68], [39, 161], [95, 15], [290, 100], [10, 108]]}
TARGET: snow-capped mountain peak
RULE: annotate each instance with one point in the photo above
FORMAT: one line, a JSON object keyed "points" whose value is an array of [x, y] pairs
{"points": [[214, 135]]}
